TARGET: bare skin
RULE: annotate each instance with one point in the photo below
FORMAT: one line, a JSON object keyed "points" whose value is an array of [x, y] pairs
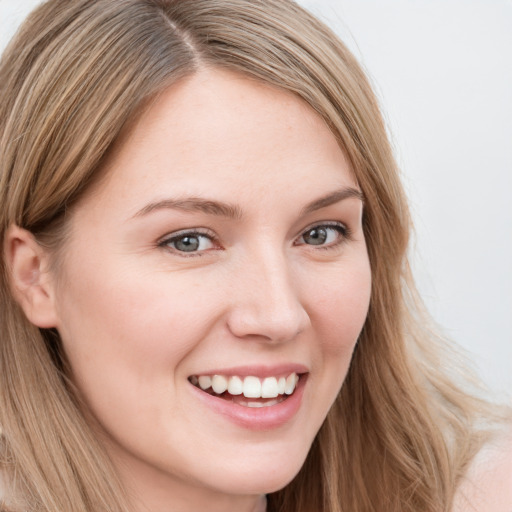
{"points": [[487, 487]]}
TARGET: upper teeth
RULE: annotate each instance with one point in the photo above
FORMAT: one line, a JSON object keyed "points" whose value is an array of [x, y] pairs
{"points": [[250, 387]]}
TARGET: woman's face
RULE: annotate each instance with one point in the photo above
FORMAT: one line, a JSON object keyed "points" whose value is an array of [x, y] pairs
{"points": [[223, 244]]}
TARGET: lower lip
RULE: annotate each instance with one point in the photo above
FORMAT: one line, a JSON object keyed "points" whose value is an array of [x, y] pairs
{"points": [[256, 418]]}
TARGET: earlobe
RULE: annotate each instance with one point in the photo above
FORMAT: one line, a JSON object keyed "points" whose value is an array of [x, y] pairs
{"points": [[27, 264]]}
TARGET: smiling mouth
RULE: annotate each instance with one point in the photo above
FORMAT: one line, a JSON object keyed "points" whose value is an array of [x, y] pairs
{"points": [[248, 391]]}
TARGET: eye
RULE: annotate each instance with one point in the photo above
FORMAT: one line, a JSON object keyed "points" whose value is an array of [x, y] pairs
{"points": [[324, 235], [189, 242]]}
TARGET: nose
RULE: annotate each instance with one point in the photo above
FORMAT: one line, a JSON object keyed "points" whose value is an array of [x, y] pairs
{"points": [[265, 303]]}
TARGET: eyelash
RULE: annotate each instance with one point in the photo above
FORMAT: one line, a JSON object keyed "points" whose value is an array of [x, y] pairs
{"points": [[344, 235]]}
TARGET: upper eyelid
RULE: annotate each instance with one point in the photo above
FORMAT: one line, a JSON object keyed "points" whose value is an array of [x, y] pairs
{"points": [[183, 232], [325, 223]]}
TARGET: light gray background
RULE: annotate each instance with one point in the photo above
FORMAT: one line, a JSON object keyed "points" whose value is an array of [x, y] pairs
{"points": [[443, 72]]}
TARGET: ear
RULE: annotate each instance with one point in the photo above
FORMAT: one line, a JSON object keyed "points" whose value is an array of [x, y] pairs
{"points": [[27, 266]]}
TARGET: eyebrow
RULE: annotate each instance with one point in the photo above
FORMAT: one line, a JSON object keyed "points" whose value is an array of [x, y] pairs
{"points": [[211, 207], [332, 198], [191, 204]]}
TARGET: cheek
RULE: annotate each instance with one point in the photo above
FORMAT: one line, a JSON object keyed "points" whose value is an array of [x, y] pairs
{"points": [[127, 329], [126, 343], [340, 309]]}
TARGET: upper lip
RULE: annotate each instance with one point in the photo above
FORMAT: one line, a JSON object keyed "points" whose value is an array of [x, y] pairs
{"points": [[260, 371]]}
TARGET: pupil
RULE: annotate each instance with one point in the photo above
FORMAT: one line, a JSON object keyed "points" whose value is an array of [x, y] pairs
{"points": [[187, 244], [316, 236]]}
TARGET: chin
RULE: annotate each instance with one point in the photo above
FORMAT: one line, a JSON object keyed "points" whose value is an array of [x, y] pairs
{"points": [[262, 478]]}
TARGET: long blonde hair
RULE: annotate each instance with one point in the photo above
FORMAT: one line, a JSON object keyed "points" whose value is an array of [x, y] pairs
{"points": [[400, 433]]}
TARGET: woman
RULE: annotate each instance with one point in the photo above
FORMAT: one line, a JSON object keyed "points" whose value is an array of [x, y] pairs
{"points": [[204, 277]]}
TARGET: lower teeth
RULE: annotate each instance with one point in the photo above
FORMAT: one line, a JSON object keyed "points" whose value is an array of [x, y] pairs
{"points": [[245, 402], [267, 403]]}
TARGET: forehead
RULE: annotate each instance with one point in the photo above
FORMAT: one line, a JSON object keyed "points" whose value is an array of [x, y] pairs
{"points": [[221, 133]]}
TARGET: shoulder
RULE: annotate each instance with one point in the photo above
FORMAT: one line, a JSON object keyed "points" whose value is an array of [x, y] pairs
{"points": [[487, 487]]}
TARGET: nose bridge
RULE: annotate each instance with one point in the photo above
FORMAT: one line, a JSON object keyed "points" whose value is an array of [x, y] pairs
{"points": [[267, 303]]}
